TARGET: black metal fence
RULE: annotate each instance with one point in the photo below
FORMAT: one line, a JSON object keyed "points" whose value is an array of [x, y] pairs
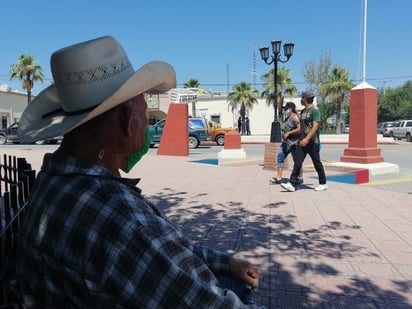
{"points": [[16, 180]]}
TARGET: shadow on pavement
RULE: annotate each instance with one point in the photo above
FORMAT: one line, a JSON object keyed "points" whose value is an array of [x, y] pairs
{"points": [[300, 268]]}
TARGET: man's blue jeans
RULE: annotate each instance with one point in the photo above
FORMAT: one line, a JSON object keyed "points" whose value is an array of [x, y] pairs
{"points": [[241, 289]]}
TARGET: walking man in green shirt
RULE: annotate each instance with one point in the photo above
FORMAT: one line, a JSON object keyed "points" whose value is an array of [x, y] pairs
{"points": [[309, 144]]}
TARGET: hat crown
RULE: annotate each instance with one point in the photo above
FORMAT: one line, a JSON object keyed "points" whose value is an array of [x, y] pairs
{"points": [[87, 73], [307, 94], [90, 78]]}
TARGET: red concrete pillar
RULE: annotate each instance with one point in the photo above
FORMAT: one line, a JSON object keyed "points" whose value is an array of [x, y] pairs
{"points": [[362, 126], [175, 136], [232, 140]]}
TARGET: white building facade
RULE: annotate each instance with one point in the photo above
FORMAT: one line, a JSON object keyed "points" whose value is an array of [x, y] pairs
{"points": [[210, 105], [215, 107], [12, 105]]}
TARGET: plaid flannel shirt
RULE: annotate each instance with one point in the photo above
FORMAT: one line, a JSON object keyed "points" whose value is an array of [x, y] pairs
{"points": [[90, 240]]}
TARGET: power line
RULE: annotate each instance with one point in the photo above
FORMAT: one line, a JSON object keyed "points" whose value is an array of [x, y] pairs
{"points": [[228, 84]]}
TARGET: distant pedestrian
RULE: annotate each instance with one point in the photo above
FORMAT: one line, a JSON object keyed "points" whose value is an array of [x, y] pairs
{"points": [[247, 126], [239, 125], [309, 144]]}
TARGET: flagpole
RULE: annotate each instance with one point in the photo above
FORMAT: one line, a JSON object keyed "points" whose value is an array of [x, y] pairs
{"points": [[365, 8]]}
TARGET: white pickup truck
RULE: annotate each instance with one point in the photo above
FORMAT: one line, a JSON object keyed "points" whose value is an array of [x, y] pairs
{"points": [[403, 130]]}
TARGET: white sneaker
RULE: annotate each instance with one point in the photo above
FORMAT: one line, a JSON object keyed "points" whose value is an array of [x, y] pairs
{"points": [[321, 187], [288, 186]]}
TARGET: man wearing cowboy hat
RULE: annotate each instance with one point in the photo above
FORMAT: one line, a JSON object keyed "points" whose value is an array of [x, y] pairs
{"points": [[90, 239]]}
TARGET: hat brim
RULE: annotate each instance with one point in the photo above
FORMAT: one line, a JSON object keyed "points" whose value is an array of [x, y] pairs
{"points": [[153, 78]]}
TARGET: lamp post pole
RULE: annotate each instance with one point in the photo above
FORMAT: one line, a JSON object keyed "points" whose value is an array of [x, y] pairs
{"points": [[275, 136]]}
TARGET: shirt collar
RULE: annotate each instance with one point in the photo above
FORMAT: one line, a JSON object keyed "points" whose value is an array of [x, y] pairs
{"points": [[65, 165]]}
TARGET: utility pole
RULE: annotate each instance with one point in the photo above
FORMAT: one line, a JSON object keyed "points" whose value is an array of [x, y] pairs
{"points": [[254, 67]]}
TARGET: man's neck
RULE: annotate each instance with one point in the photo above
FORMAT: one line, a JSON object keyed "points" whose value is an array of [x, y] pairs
{"points": [[99, 155]]}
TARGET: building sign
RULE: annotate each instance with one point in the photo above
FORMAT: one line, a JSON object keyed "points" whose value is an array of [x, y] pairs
{"points": [[183, 95], [152, 101]]}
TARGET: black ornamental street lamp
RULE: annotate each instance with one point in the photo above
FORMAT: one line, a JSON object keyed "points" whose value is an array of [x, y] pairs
{"points": [[275, 136]]}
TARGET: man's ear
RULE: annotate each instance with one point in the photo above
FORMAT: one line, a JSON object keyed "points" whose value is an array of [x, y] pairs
{"points": [[125, 118]]}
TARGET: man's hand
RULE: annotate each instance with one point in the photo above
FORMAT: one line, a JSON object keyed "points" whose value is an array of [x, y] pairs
{"points": [[303, 142], [244, 271]]}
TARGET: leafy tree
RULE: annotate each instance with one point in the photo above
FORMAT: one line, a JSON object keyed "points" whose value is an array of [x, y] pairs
{"points": [[245, 95], [28, 72], [317, 73], [326, 110], [346, 105], [395, 104], [337, 87], [284, 87], [192, 83]]}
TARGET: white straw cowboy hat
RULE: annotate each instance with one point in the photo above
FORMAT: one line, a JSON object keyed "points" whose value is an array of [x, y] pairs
{"points": [[90, 78]]}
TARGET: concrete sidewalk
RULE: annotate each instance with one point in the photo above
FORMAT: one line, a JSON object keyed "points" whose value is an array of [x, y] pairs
{"points": [[348, 247]]}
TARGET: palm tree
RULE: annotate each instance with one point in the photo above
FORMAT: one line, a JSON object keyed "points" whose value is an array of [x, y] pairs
{"points": [[284, 87], [28, 72], [337, 87], [247, 96], [192, 83]]}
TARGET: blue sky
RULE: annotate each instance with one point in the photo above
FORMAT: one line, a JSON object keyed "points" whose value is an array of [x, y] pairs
{"points": [[215, 41]]}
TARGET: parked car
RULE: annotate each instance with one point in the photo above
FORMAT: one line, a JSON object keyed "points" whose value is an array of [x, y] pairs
{"points": [[385, 128], [198, 132], [11, 134], [403, 130], [218, 134], [345, 128]]}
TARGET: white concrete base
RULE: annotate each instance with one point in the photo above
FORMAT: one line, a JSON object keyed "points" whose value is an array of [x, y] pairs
{"points": [[373, 168], [230, 154]]}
